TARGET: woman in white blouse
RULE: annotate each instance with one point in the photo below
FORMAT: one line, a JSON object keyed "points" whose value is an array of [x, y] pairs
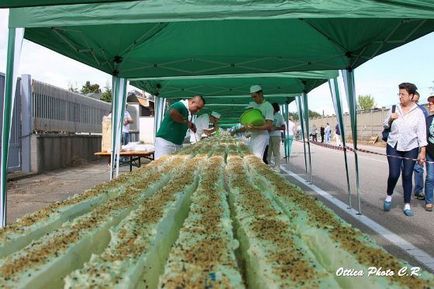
{"points": [[406, 142]]}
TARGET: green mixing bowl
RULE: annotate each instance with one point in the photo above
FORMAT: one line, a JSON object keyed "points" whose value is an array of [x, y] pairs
{"points": [[253, 117]]}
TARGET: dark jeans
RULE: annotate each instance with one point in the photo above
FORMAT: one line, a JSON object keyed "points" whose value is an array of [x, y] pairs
{"points": [[395, 166], [125, 138], [265, 156]]}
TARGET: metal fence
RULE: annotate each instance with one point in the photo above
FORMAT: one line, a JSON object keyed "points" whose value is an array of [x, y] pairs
{"points": [[58, 110]]}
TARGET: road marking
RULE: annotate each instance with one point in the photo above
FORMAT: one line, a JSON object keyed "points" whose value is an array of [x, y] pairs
{"points": [[416, 253]]}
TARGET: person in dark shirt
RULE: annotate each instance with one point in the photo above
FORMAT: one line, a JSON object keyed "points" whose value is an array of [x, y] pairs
{"points": [[322, 133], [418, 169], [429, 181]]}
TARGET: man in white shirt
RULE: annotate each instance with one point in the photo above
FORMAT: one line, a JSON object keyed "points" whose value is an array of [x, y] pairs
{"points": [[202, 126], [260, 136]]}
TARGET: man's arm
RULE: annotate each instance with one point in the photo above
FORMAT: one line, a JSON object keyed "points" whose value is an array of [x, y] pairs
{"points": [[267, 126], [179, 118], [128, 119]]}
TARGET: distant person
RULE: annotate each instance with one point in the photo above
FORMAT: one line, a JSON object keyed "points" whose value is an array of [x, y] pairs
{"points": [[126, 126], [175, 124], [299, 133], [290, 137], [418, 169], [322, 133], [406, 142], [328, 133], [275, 137], [429, 181], [125, 138], [338, 135], [314, 133]]}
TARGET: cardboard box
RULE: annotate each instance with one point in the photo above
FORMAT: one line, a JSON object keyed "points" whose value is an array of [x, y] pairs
{"points": [[106, 142]]}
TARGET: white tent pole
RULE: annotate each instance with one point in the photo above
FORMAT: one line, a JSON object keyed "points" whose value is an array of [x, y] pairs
{"points": [[163, 110], [284, 114], [122, 93], [287, 145], [350, 89], [156, 115], [113, 126], [15, 42], [118, 108], [337, 103], [306, 120], [301, 119], [160, 111]]}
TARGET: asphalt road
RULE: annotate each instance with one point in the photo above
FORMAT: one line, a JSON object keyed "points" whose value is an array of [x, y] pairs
{"points": [[328, 171]]}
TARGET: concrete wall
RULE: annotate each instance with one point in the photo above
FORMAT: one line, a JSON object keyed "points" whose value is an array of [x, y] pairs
{"points": [[50, 152], [369, 123]]}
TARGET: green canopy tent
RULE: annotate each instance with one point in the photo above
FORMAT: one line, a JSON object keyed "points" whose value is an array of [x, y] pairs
{"points": [[159, 38], [30, 3]]}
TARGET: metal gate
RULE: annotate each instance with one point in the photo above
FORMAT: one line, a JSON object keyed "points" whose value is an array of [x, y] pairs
{"points": [[14, 158]]}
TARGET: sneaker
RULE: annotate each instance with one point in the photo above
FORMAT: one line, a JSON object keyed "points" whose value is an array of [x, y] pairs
{"points": [[419, 196], [409, 212], [428, 207], [387, 206]]}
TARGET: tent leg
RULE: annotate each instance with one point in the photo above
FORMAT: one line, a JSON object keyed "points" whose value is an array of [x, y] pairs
{"points": [[118, 108], [337, 103], [156, 115], [300, 117], [348, 76], [159, 112], [306, 120], [286, 142], [15, 41], [285, 116]]}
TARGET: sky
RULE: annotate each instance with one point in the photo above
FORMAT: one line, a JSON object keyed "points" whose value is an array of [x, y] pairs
{"points": [[379, 77]]}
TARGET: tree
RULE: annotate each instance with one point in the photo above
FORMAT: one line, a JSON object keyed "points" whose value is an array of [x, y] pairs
{"points": [[90, 88], [293, 115], [106, 95], [366, 102], [313, 114]]}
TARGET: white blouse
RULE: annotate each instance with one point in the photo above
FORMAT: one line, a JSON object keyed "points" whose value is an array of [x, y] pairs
{"points": [[408, 130]]}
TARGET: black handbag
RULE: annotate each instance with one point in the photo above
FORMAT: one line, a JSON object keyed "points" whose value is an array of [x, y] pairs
{"points": [[386, 131]]}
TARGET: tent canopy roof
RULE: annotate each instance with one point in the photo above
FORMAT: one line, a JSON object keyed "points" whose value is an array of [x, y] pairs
{"points": [[229, 94], [177, 38], [221, 86], [194, 10], [186, 38], [30, 3]]}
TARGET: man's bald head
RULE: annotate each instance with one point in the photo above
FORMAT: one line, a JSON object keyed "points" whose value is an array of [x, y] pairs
{"points": [[195, 104]]}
